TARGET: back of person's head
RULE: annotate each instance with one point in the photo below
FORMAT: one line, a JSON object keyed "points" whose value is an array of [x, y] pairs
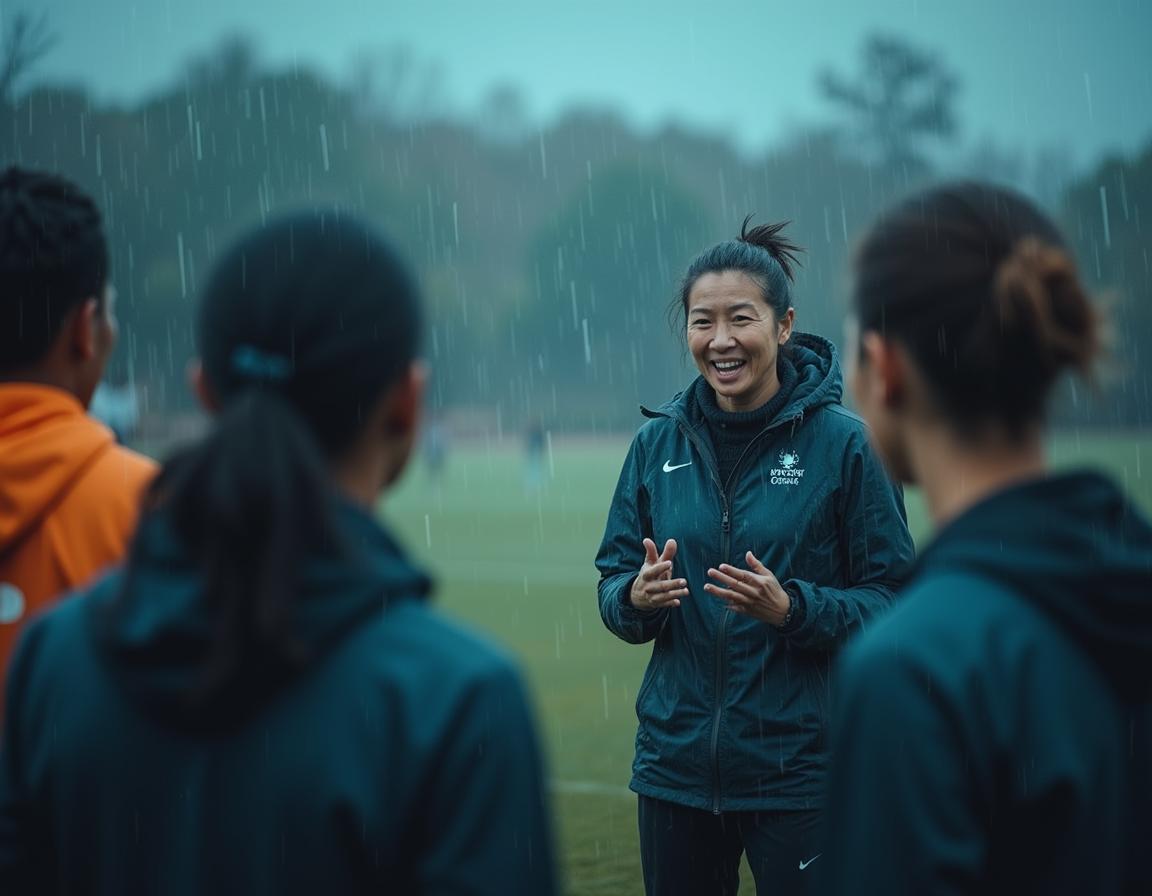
{"points": [[763, 253], [978, 286], [308, 330], [53, 258], [314, 312]]}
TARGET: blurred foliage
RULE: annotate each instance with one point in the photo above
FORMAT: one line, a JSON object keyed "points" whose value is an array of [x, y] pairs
{"points": [[549, 257], [1108, 216]]}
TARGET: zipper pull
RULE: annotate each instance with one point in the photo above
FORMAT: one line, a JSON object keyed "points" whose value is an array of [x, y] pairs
{"points": [[724, 521]]}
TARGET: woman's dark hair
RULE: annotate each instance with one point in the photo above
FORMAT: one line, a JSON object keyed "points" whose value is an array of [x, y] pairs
{"points": [[762, 253], [53, 256], [303, 325], [977, 284]]}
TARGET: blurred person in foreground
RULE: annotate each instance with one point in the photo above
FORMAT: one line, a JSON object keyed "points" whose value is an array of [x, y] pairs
{"points": [[262, 701], [992, 733], [69, 495], [782, 536]]}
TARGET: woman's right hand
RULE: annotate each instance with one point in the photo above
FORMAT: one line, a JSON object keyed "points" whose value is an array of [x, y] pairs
{"points": [[654, 588]]}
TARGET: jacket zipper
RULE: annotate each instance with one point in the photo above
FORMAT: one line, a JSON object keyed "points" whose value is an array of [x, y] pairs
{"points": [[722, 628], [725, 547], [721, 650]]}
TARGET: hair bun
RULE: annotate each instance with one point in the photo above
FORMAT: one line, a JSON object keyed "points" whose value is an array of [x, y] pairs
{"points": [[769, 237], [1038, 291]]}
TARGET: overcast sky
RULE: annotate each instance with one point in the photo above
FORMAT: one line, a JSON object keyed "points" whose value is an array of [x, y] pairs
{"points": [[1074, 73]]}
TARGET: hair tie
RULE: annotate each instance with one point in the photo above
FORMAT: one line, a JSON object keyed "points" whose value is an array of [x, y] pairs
{"points": [[261, 366]]}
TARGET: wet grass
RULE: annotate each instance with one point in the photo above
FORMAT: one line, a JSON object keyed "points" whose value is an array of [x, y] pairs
{"points": [[518, 564]]}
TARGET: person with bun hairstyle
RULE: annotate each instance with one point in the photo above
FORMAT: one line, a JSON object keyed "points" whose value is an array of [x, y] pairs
{"points": [[992, 734], [752, 532], [263, 701]]}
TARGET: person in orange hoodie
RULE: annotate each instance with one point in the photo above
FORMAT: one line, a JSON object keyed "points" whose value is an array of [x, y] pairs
{"points": [[68, 493]]}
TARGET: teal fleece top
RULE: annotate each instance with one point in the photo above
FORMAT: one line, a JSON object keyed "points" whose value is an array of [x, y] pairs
{"points": [[401, 758], [992, 734]]}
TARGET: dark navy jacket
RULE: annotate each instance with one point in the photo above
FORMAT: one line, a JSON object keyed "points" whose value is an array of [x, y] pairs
{"points": [[732, 712], [400, 759], [994, 733]]}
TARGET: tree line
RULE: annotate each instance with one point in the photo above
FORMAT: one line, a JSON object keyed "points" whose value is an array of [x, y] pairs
{"points": [[549, 256]]}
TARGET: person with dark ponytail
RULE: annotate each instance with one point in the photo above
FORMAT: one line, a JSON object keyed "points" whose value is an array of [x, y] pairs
{"points": [[263, 701], [781, 537], [994, 733]]}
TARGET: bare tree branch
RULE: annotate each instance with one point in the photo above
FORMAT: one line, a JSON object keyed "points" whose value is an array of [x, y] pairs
{"points": [[24, 43], [901, 97]]}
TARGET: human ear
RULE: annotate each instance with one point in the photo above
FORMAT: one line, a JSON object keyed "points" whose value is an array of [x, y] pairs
{"points": [[785, 324], [405, 400], [81, 329], [200, 386], [887, 365], [399, 414]]}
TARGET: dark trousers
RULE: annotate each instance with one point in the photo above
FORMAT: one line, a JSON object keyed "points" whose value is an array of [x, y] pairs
{"points": [[697, 853]]}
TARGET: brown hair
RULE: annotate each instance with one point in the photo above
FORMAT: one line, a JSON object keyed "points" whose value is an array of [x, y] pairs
{"points": [[977, 284]]}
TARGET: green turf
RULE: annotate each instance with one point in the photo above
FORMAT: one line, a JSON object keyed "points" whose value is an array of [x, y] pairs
{"points": [[519, 565]]}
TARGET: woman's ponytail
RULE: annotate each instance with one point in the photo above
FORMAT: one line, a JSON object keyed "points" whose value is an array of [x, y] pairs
{"points": [[771, 239], [248, 502], [303, 327]]}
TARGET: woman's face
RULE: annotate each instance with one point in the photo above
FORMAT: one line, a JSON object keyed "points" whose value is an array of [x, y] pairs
{"points": [[735, 338]]}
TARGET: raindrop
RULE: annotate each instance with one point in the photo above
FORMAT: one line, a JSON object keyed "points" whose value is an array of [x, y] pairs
{"points": [[183, 276], [1104, 215]]}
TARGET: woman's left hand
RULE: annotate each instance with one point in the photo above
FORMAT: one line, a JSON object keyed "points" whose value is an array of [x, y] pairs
{"points": [[754, 591]]}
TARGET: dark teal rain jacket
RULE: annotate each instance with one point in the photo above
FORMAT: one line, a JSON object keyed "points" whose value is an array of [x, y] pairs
{"points": [[994, 733], [732, 712], [401, 759]]}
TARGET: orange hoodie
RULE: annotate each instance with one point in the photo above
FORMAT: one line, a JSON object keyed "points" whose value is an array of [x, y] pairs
{"points": [[69, 499]]}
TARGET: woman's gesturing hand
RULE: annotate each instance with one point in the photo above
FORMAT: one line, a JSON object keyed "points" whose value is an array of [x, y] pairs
{"points": [[754, 591], [655, 588]]}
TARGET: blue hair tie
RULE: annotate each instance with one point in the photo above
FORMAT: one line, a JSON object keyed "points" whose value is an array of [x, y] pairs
{"points": [[256, 364]]}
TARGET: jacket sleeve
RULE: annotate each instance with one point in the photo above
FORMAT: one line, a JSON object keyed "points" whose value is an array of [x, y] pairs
{"points": [[487, 827], [24, 851], [621, 555], [878, 554], [903, 815]]}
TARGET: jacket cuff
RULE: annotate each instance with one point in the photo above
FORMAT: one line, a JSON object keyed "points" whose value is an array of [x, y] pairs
{"points": [[624, 599], [799, 610]]}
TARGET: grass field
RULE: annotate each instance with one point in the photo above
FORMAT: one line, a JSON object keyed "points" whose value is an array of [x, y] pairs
{"points": [[519, 566]]}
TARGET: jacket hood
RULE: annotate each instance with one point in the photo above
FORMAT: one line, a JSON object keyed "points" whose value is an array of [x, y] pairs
{"points": [[1077, 548], [47, 441], [153, 626], [819, 381]]}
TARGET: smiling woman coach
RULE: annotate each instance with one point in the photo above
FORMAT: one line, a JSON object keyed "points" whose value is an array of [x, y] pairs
{"points": [[781, 535]]}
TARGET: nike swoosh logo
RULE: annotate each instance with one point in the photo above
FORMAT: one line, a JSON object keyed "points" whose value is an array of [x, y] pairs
{"points": [[668, 468], [804, 865]]}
